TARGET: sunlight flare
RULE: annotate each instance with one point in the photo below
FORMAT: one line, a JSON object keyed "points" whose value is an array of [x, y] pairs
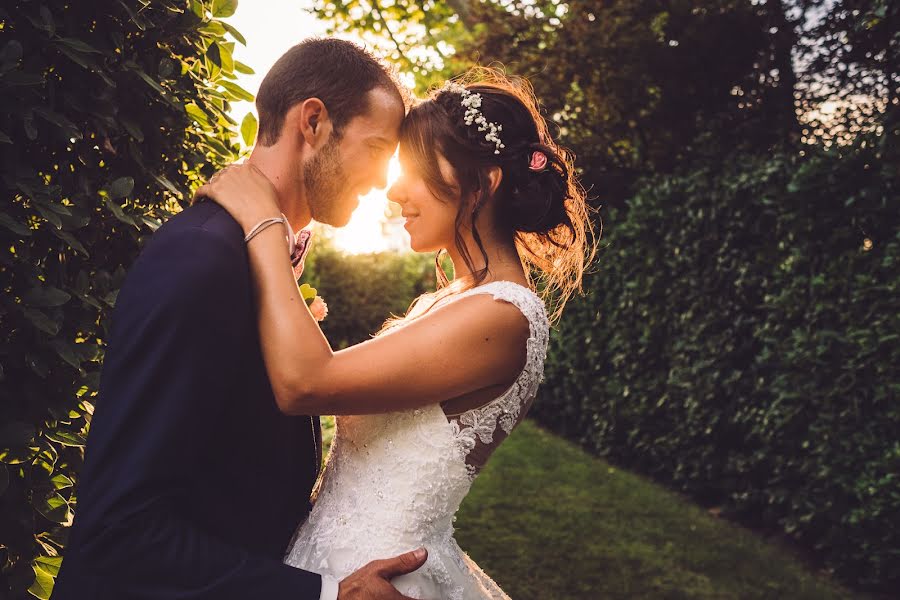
{"points": [[373, 226]]}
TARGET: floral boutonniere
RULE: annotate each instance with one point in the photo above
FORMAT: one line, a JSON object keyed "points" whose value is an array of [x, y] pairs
{"points": [[299, 249], [316, 304]]}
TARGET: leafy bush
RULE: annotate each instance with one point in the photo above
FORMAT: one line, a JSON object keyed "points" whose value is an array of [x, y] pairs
{"points": [[363, 290], [110, 112], [741, 341]]}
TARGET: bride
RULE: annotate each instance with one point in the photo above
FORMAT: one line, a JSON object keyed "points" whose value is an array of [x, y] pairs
{"points": [[422, 405]]}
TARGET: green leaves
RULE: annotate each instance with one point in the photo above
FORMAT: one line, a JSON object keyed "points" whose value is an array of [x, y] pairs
{"points": [[46, 296], [73, 243], [249, 127], [118, 189], [55, 508], [242, 68], [69, 128], [78, 45], [90, 172], [61, 482], [121, 187], [66, 438], [236, 92], [42, 586], [41, 321], [222, 9], [166, 68], [214, 53], [49, 564], [13, 225], [151, 82], [234, 33], [308, 293], [198, 115]]}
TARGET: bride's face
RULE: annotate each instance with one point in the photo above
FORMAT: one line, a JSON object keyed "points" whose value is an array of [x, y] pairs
{"points": [[430, 220]]}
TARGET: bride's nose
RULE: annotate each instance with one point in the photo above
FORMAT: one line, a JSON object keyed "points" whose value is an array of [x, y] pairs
{"points": [[395, 193]]}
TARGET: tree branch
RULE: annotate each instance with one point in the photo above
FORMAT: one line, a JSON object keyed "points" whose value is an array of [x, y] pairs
{"points": [[377, 10]]}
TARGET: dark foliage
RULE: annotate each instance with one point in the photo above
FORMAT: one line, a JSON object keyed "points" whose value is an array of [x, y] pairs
{"points": [[110, 111]]}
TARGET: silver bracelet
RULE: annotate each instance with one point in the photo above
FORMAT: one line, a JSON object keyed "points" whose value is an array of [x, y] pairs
{"points": [[262, 225]]}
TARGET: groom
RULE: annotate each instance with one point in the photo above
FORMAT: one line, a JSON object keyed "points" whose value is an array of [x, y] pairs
{"points": [[193, 481]]}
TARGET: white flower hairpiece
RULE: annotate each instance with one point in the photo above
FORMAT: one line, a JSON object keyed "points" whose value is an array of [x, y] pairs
{"points": [[472, 103]]}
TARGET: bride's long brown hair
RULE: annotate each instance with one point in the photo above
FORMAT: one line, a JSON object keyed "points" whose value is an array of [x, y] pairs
{"points": [[545, 212]]}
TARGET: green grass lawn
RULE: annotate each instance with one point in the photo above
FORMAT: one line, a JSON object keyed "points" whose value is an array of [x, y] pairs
{"points": [[546, 520]]}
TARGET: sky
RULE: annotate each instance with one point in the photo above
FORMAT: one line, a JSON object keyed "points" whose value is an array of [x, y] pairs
{"points": [[270, 28]]}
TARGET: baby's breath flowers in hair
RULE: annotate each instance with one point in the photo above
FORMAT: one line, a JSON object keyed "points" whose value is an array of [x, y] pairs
{"points": [[472, 103]]}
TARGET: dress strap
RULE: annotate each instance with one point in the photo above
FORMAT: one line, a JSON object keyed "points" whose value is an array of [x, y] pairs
{"points": [[523, 298]]}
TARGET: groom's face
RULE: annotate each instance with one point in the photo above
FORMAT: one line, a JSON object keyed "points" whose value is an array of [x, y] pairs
{"points": [[350, 164]]}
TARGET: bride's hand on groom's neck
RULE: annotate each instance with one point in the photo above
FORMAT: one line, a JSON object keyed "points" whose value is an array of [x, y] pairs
{"points": [[245, 192]]}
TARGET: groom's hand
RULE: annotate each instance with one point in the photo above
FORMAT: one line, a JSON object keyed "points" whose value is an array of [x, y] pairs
{"points": [[373, 581]]}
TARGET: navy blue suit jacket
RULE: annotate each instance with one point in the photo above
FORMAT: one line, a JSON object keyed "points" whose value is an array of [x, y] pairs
{"points": [[193, 481]]}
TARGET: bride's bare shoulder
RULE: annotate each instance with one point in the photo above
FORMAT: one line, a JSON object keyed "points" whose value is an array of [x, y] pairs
{"points": [[487, 315]]}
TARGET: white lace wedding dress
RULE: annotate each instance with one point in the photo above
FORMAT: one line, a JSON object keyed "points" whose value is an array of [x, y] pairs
{"points": [[393, 482]]}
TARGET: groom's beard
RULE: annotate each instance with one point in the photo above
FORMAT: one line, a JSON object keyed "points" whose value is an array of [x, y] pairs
{"points": [[324, 178]]}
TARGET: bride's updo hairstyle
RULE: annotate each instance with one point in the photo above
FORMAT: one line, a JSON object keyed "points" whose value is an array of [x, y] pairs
{"points": [[539, 202]]}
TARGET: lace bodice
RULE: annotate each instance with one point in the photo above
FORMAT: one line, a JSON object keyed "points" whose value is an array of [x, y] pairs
{"points": [[480, 430], [393, 482]]}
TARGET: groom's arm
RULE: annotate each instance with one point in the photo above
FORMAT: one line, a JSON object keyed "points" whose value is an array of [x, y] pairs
{"points": [[173, 349]]}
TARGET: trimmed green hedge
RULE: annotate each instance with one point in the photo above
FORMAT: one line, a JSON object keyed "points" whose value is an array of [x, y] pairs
{"points": [[363, 290], [741, 341], [111, 111]]}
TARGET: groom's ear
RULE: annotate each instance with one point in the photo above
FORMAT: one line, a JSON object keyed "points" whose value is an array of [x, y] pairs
{"points": [[311, 121]]}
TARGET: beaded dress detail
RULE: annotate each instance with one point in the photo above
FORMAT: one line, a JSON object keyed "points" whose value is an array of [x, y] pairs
{"points": [[393, 482]]}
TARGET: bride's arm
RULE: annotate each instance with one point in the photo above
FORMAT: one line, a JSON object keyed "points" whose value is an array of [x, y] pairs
{"points": [[456, 349]]}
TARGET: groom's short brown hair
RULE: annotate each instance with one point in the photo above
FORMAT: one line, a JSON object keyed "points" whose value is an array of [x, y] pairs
{"points": [[337, 72]]}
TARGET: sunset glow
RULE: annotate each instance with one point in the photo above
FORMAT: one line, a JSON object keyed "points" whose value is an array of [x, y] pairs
{"points": [[369, 229]]}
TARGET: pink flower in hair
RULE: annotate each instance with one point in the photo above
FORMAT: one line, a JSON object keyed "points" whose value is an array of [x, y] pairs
{"points": [[538, 161]]}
